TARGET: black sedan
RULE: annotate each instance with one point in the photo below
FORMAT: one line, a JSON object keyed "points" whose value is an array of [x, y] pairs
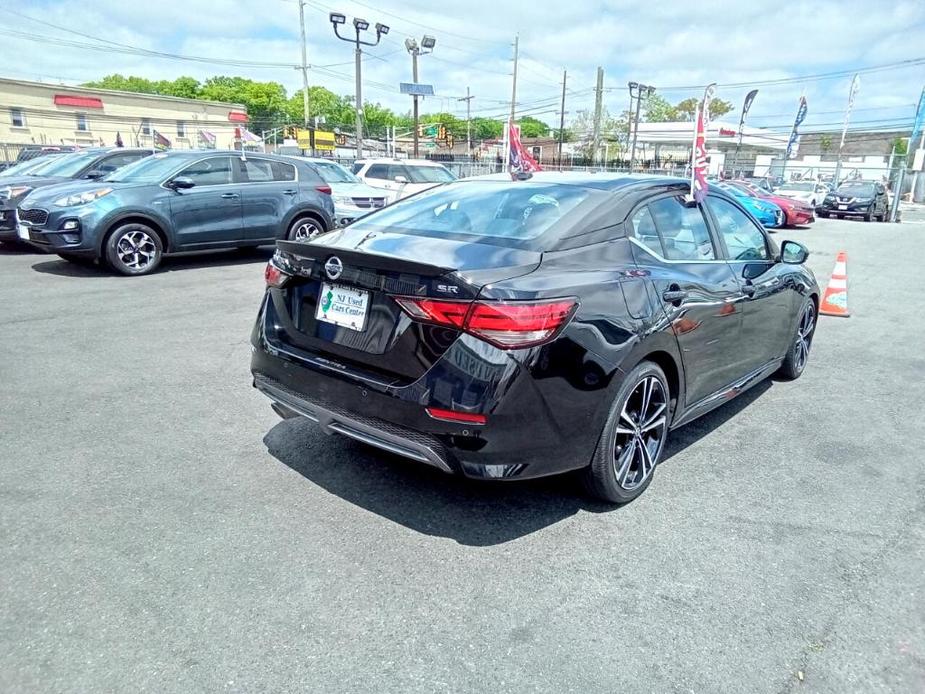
{"points": [[865, 199], [502, 328]]}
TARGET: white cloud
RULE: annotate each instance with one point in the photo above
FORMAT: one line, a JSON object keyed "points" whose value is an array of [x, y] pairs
{"points": [[666, 43]]}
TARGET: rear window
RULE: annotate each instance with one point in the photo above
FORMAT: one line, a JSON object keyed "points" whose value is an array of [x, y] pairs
{"points": [[428, 174], [522, 215]]}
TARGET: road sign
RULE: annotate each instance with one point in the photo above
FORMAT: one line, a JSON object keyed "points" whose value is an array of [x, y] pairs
{"points": [[304, 138], [415, 89], [324, 140]]}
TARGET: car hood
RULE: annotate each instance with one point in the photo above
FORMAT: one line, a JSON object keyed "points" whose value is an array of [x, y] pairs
{"points": [[32, 182], [358, 190], [45, 196]]}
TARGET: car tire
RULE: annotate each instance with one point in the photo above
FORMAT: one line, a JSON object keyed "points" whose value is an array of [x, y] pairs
{"points": [[305, 229], [633, 438], [798, 354], [868, 216], [134, 249]]}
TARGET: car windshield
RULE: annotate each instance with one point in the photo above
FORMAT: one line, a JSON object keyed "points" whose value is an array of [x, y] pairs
{"points": [[67, 164], [494, 212], [734, 190], [745, 189], [856, 189], [334, 173], [799, 186], [428, 174], [30, 166], [153, 169]]}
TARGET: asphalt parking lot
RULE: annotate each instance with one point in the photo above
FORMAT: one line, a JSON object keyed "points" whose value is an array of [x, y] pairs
{"points": [[163, 530]]}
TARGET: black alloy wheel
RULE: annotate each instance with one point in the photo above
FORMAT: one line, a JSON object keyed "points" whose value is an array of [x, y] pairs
{"points": [[134, 249], [304, 229], [633, 437], [798, 354]]}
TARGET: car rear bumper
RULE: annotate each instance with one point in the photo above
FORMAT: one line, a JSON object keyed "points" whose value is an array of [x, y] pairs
{"points": [[522, 437]]}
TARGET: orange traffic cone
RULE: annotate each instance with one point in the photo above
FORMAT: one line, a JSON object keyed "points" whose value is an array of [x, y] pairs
{"points": [[835, 298]]}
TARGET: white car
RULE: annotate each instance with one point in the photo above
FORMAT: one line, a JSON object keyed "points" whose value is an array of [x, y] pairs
{"points": [[352, 198], [810, 192], [402, 177]]}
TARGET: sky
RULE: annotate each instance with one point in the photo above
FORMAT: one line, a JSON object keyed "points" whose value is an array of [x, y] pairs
{"points": [[675, 46]]}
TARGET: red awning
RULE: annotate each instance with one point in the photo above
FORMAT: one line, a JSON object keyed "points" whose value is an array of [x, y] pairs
{"points": [[81, 101], [237, 116]]}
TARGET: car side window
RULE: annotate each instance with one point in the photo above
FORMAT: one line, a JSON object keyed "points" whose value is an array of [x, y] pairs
{"points": [[209, 172], [682, 230], [282, 171], [378, 171], [645, 232], [397, 170], [744, 240], [257, 170], [110, 164]]}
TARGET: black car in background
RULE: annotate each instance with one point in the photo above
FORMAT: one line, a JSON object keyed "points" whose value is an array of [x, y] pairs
{"points": [[32, 151], [175, 202], [90, 164], [515, 329], [867, 199]]}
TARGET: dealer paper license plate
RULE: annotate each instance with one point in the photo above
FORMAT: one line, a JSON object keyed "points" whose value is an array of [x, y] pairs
{"points": [[342, 306]]}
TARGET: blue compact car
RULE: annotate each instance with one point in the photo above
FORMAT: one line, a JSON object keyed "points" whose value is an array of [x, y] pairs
{"points": [[175, 202], [770, 215]]}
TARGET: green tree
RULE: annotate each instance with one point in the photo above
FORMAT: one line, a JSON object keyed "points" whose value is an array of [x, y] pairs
{"points": [[183, 87], [656, 109], [686, 108], [487, 129], [532, 127], [825, 143], [265, 101], [119, 82]]}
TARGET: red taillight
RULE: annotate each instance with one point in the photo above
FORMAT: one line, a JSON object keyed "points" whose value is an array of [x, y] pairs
{"points": [[505, 324], [273, 276], [452, 313], [323, 189], [453, 416]]}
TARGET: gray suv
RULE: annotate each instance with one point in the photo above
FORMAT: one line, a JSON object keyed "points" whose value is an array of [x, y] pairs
{"points": [[175, 202]]}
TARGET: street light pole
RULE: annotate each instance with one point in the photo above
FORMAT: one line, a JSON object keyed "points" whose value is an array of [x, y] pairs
{"points": [[337, 19], [426, 46], [468, 99]]}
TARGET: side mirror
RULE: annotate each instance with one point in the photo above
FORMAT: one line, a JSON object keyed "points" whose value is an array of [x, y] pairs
{"points": [[401, 179], [793, 253], [94, 174], [181, 183]]}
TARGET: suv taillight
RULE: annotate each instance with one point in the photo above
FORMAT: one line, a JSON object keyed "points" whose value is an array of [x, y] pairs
{"points": [[323, 189], [505, 324]]}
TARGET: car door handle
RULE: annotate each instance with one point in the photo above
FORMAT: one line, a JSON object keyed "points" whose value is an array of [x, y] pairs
{"points": [[674, 295], [290, 192], [229, 196]]}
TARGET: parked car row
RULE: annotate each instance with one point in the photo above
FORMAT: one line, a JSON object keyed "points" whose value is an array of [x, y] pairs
{"points": [[868, 200], [130, 207]]}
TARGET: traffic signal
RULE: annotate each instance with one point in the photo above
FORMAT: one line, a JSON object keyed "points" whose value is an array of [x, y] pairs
{"points": [[441, 132], [420, 131]]}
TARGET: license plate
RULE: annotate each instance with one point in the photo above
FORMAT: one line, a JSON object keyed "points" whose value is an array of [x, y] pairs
{"points": [[343, 306], [22, 232], [843, 207]]}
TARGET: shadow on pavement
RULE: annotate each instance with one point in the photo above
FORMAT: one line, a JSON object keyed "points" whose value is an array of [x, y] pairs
{"points": [[428, 501], [193, 261], [16, 248]]}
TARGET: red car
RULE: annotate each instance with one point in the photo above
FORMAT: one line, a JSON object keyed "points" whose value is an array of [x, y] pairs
{"points": [[795, 212]]}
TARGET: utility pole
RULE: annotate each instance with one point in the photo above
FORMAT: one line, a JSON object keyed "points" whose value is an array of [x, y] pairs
{"points": [[468, 99], [598, 107], [358, 55], [414, 78], [640, 90], [629, 119], [514, 86], [304, 69], [562, 118]]}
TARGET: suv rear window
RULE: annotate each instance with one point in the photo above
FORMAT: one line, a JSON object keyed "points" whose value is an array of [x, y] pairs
{"points": [[428, 174], [521, 215]]}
